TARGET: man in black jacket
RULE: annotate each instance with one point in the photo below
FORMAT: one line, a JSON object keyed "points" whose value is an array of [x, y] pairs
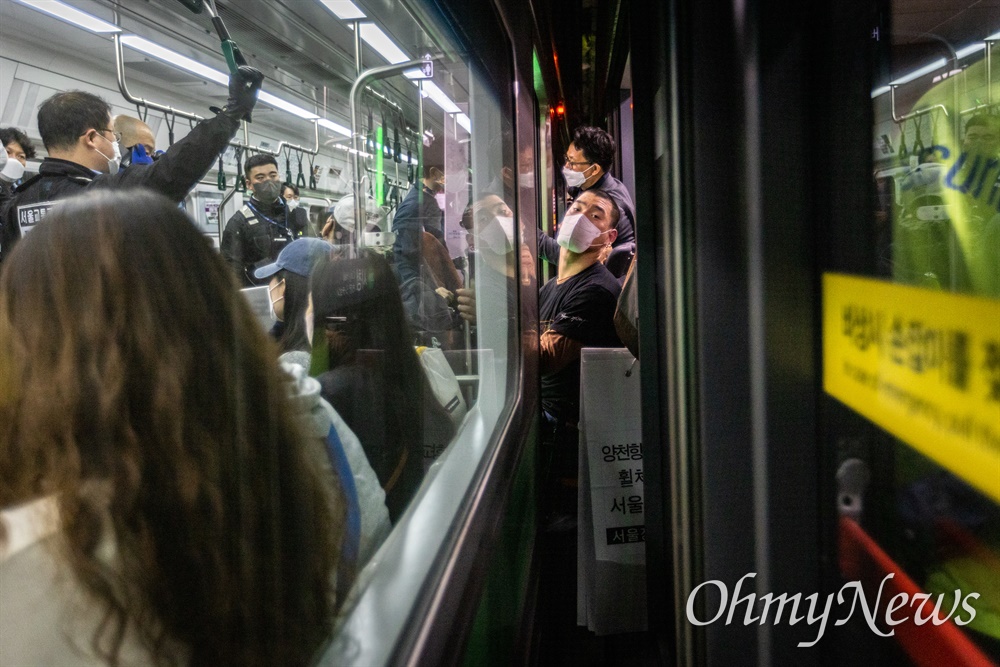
{"points": [[77, 130], [259, 230]]}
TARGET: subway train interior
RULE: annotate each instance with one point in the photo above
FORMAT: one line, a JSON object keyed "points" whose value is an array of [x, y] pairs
{"points": [[797, 459]]}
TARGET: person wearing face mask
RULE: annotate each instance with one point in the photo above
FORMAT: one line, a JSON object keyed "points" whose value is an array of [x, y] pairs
{"points": [[137, 144], [257, 232], [83, 152], [586, 166], [19, 150], [576, 309], [420, 211], [298, 216]]}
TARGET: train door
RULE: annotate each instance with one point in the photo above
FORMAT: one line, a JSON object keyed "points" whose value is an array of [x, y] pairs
{"points": [[821, 324]]}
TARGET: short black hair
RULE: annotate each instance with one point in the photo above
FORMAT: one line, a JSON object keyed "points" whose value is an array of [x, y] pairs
{"points": [[597, 145], [9, 134], [294, 188], [256, 161], [65, 117], [616, 212]]}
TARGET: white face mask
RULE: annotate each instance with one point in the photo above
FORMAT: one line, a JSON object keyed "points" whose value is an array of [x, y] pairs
{"points": [[439, 198], [497, 235], [12, 170], [292, 204], [577, 233], [114, 163], [526, 179], [575, 179]]}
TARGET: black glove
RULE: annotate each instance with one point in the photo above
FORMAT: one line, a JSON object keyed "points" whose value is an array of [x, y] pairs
{"points": [[244, 85]]}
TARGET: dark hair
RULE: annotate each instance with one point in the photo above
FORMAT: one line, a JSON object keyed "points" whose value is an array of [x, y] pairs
{"points": [[256, 161], [9, 134], [293, 336], [365, 291], [65, 117], [294, 188], [983, 120], [139, 389], [433, 157], [616, 212], [597, 145]]}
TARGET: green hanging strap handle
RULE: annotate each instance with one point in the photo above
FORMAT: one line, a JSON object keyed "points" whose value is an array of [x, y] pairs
{"points": [[222, 175], [918, 145], [300, 180], [903, 154], [241, 184], [312, 172], [288, 164]]}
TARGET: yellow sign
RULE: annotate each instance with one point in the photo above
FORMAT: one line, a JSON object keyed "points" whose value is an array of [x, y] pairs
{"points": [[922, 364]]}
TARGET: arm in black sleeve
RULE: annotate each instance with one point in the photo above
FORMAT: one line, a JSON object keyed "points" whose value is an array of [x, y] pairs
{"points": [[548, 248], [184, 164]]}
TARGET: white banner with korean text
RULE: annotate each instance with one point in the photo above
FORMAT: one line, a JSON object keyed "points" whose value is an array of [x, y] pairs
{"points": [[611, 548]]}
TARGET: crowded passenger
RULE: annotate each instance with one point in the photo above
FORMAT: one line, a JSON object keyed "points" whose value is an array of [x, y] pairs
{"points": [[288, 292], [298, 216], [137, 143], [588, 159], [161, 501], [364, 358], [576, 309], [83, 152], [17, 144], [256, 233]]}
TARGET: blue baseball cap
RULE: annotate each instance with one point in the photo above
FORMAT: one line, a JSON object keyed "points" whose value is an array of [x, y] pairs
{"points": [[299, 256]]}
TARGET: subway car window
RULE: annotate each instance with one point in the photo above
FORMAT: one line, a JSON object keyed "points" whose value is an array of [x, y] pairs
{"points": [[912, 347], [362, 285]]}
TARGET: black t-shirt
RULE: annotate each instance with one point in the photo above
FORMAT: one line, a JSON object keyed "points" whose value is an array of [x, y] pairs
{"points": [[582, 308]]}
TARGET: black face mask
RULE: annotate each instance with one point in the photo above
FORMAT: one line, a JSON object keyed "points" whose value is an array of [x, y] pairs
{"points": [[266, 191]]}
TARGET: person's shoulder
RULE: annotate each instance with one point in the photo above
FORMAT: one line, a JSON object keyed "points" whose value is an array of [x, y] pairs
{"points": [[599, 279]]}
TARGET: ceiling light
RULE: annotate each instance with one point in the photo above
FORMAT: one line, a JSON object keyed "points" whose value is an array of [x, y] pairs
{"points": [[431, 90], [382, 44], [464, 121], [278, 103], [880, 91], [916, 74], [175, 59], [970, 49], [995, 37], [343, 9], [330, 125], [71, 15]]}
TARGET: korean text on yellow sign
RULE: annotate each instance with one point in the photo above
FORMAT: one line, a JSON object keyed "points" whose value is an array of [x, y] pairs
{"points": [[922, 364]]}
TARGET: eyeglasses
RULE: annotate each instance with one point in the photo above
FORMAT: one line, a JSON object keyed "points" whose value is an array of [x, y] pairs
{"points": [[117, 135], [569, 163]]}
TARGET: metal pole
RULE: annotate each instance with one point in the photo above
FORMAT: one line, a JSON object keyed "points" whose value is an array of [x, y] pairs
{"points": [[357, 49], [364, 79]]}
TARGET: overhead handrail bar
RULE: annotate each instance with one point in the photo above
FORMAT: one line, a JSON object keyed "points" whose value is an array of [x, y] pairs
{"points": [[363, 80], [162, 108]]}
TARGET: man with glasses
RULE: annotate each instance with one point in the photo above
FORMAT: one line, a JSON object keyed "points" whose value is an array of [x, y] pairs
{"points": [[585, 167], [83, 152]]}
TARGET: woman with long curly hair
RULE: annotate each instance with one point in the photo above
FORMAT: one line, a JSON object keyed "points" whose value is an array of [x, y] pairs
{"points": [[160, 502]]}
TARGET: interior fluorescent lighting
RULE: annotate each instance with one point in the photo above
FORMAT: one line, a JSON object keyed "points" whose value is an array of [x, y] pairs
{"points": [[344, 10], [880, 91], [970, 49], [277, 102], [330, 125], [993, 38], [437, 95], [464, 121], [382, 44], [175, 59], [916, 74], [71, 15]]}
